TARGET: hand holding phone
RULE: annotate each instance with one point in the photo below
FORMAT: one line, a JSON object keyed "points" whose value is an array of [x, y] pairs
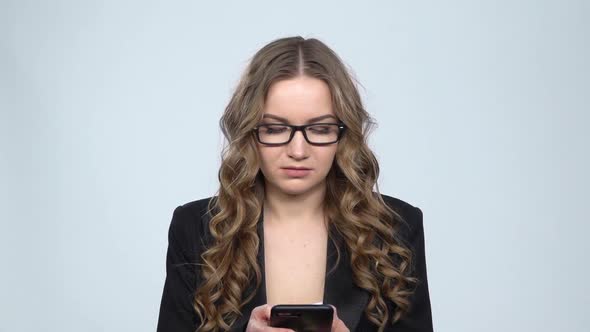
{"points": [[303, 317], [260, 319]]}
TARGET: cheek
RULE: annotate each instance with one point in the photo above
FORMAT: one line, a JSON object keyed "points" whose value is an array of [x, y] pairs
{"points": [[326, 157], [267, 157]]}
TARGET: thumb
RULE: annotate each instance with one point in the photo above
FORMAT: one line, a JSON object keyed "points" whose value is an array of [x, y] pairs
{"points": [[335, 316], [337, 323], [262, 312]]}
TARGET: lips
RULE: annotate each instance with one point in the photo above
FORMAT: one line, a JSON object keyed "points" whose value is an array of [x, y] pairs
{"points": [[296, 172]]}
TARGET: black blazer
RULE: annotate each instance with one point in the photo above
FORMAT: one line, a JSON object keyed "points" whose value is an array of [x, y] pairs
{"points": [[188, 234]]}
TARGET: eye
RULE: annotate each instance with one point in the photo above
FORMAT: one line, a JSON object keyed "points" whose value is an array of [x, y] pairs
{"points": [[269, 130], [321, 129]]}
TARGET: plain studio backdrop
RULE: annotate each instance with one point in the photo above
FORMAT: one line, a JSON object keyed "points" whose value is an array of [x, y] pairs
{"points": [[109, 120]]}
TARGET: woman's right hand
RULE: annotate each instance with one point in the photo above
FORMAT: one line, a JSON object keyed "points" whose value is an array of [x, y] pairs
{"points": [[260, 319]]}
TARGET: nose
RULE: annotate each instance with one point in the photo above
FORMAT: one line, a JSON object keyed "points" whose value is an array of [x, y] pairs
{"points": [[298, 148]]}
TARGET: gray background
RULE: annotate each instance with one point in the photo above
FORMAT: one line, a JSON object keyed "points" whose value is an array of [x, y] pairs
{"points": [[109, 117]]}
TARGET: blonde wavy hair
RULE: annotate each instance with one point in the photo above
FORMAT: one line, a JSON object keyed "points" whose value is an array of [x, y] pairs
{"points": [[380, 263]]}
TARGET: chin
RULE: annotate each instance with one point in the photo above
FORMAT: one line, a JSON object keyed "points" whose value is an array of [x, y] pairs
{"points": [[291, 188]]}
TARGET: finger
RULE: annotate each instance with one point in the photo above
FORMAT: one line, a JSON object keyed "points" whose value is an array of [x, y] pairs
{"points": [[335, 310], [335, 318], [262, 326], [337, 324], [276, 329], [261, 312], [340, 327]]}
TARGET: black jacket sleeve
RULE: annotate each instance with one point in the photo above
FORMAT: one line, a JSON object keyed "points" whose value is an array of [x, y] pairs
{"points": [[176, 307], [419, 318]]}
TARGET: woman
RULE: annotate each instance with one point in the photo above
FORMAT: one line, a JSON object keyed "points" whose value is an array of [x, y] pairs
{"points": [[295, 219]]}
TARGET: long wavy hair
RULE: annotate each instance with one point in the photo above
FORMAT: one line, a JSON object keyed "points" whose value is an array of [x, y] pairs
{"points": [[380, 263]]}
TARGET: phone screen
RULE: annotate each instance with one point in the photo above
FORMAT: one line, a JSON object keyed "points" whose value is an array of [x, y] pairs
{"points": [[302, 317]]}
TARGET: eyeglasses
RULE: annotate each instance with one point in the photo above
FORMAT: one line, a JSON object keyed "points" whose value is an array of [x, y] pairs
{"points": [[315, 133]]}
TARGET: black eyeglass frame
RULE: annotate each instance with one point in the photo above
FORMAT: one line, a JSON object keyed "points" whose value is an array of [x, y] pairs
{"points": [[294, 129]]}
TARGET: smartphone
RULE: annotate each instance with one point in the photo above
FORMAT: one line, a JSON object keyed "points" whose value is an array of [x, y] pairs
{"points": [[302, 317]]}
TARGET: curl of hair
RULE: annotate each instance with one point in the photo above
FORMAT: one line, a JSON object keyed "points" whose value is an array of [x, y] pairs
{"points": [[380, 263]]}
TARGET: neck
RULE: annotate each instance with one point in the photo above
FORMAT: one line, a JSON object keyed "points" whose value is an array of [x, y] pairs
{"points": [[281, 207]]}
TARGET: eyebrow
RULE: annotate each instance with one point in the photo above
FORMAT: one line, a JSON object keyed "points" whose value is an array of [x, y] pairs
{"points": [[318, 118]]}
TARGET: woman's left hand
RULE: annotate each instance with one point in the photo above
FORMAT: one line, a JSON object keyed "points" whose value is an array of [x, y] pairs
{"points": [[337, 323]]}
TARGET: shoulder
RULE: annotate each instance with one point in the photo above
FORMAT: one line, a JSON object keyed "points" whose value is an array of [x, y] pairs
{"points": [[189, 223], [195, 209], [398, 204], [410, 215], [407, 211]]}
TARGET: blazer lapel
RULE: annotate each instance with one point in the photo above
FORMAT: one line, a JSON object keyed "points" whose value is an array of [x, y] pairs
{"points": [[339, 288]]}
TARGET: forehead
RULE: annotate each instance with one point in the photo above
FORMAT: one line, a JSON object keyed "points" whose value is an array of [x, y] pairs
{"points": [[299, 99]]}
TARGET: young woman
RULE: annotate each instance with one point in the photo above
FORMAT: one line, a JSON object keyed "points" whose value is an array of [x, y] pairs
{"points": [[296, 219]]}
